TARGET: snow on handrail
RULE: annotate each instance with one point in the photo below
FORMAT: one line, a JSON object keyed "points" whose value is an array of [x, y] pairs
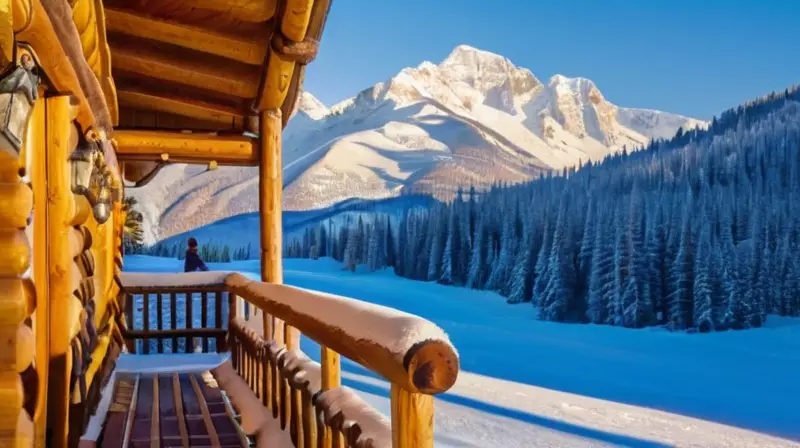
{"points": [[142, 280], [407, 350]]}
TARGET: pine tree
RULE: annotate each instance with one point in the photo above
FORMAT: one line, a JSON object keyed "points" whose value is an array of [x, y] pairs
{"points": [[477, 263], [703, 293], [682, 280]]}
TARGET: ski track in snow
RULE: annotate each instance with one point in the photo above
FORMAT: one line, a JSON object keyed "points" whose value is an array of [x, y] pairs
{"points": [[526, 383]]}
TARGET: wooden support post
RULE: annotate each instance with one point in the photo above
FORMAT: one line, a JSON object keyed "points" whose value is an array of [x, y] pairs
{"points": [[270, 194], [412, 419], [62, 138], [35, 141]]}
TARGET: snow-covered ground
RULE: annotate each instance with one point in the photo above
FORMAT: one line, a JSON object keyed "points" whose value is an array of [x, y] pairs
{"points": [[526, 383]]}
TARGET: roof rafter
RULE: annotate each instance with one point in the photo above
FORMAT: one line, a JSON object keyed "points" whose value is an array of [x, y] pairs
{"points": [[230, 79], [250, 50]]}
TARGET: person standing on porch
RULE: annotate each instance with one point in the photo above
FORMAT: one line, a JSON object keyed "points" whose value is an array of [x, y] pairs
{"points": [[193, 261]]}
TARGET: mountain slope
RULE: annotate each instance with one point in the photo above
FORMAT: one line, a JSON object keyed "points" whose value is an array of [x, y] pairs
{"points": [[475, 118]]}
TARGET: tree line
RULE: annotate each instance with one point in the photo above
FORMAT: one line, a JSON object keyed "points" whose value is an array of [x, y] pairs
{"points": [[211, 252], [700, 232]]}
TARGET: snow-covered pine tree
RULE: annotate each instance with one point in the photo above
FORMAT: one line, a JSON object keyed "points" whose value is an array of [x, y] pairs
{"points": [[703, 306], [682, 276]]}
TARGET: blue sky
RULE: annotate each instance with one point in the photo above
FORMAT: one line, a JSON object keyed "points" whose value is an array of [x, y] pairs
{"points": [[691, 57]]}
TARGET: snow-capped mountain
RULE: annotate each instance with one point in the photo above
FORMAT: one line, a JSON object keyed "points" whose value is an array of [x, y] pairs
{"points": [[475, 118]]}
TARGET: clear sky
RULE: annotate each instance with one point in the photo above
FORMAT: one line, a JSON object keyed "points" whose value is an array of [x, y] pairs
{"points": [[695, 57]]}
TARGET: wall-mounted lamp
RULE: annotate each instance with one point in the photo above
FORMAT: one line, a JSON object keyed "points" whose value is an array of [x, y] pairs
{"points": [[18, 93], [83, 160], [92, 178]]}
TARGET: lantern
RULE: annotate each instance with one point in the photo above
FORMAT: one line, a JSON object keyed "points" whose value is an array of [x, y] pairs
{"points": [[82, 162], [101, 209], [18, 93]]}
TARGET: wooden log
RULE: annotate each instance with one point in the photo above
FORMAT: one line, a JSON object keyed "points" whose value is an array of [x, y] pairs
{"points": [[270, 193], [220, 341], [155, 429], [32, 25], [244, 10], [70, 41], [61, 138], [412, 419], [250, 50], [277, 79], [173, 319], [159, 321], [234, 79], [138, 98], [11, 395], [36, 138], [204, 318], [331, 379], [105, 77], [16, 202], [146, 323], [6, 35], [294, 22], [428, 365], [189, 320], [186, 148]]}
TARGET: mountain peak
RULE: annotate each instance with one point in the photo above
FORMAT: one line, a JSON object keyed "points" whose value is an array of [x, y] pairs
{"points": [[311, 106], [467, 55]]}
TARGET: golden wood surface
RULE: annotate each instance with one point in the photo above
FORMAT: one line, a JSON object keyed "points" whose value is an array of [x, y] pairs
{"points": [[133, 145], [36, 142], [35, 28], [61, 207], [17, 339], [232, 78], [429, 367], [179, 105], [249, 50], [270, 189], [412, 419]]}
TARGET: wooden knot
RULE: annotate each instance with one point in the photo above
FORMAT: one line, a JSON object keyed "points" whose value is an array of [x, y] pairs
{"points": [[301, 52]]}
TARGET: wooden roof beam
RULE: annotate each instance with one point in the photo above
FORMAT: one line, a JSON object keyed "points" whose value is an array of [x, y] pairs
{"points": [[244, 10], [249, 50], [181, 147], [230, 79], [138, 98]]}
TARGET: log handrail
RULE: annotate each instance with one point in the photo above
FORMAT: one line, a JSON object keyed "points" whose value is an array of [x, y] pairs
{"points": [[417, 355]]}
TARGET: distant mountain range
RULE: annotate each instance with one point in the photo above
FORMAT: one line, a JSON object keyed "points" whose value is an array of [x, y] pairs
{"points": [[473, 119]]}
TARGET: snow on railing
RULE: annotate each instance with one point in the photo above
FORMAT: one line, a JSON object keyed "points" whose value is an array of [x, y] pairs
{"points": [[152, 280], [405, 349]]}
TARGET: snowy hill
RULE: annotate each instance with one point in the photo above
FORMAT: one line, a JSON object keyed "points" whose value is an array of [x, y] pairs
{"points": [[475, 118]]}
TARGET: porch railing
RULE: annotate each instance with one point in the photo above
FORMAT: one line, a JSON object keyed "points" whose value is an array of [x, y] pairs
{"points": [[306, 397]]}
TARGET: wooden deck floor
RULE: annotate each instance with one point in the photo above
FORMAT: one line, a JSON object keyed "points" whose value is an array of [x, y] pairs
{"points": [[169, 410]]}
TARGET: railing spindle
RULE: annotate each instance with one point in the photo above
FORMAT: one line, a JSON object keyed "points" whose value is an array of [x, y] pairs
{"points": [[160, 321], [219, 344], [146, 321], [188, 303], [204, 317], [173, 319], [331, 379]]}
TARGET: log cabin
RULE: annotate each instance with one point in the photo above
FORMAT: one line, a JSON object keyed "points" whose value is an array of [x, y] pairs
{"points": [[96, 96]]}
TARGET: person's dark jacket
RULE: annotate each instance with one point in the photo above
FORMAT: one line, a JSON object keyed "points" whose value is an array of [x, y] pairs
{"points": [[193, 262]]}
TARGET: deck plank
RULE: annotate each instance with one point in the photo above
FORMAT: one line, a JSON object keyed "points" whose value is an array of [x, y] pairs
{"points": [[169, 410]]}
